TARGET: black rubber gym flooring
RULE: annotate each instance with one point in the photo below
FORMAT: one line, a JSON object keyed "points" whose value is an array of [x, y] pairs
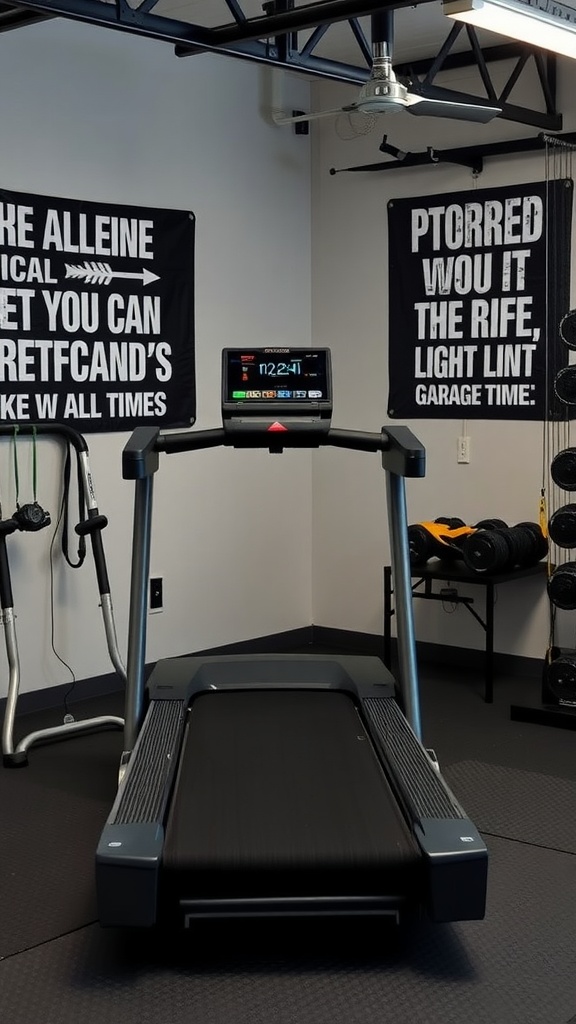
{"points": [[517, 967]]}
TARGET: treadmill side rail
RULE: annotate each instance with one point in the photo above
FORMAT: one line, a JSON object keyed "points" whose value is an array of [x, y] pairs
{"points": [[457, 862], [129, 853], [454, 853], [127, 862]]}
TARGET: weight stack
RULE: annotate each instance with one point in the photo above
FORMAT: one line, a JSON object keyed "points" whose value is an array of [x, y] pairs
{"points": [[559, 669]]}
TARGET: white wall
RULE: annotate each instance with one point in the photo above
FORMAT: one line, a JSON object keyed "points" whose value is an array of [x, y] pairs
{"points": [[350, 313], [91, 114]]}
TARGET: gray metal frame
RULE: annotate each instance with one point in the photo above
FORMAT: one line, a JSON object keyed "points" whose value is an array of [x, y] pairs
{"points": [[402, 455]]}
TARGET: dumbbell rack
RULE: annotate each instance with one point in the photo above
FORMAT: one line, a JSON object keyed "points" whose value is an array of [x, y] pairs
{"points": [[456, 574]]}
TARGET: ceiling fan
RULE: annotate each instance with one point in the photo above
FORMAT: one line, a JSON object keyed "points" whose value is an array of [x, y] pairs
{"points": [[383, 93]]}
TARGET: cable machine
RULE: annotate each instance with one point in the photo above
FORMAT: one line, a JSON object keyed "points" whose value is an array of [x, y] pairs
{"points": [[91, 525]]}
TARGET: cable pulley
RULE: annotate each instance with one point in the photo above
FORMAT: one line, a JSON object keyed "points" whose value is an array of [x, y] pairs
{"points": [[29, 517]]}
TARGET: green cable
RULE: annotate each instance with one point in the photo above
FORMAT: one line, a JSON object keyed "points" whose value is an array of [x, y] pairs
{"points": [[34, 463], [15, 453]]}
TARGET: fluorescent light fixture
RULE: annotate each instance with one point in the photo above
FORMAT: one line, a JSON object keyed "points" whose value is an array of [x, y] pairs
{"points": [[520, 19]]}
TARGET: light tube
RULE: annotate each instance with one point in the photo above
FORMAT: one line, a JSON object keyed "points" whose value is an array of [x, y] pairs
{"points": [[518, 20]]}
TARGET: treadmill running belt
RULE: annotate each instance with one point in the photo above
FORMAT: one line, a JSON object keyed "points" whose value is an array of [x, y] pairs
{"points": [[280, 793]]}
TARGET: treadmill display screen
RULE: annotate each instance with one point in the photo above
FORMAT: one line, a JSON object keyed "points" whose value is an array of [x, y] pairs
{"points": [[276, 375]]}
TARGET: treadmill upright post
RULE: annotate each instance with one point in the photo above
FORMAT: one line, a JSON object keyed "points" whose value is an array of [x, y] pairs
{"points": [[400, 559], [137, 621], [402, 456]]}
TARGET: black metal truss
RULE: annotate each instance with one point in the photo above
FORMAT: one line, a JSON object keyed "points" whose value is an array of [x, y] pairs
{"points": [[273, 39]]}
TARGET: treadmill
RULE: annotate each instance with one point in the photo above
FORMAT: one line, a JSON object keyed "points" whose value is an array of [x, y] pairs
{"points": [[280, 785]]}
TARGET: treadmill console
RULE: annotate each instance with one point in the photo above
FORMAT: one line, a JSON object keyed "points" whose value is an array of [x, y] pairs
{"points": [[276, 396]]}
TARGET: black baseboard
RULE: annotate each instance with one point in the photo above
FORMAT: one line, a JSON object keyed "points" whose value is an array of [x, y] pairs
{"points": [[473, 660], [348, 640], [100, 686], [373, 644], [293, 639], [54, 696], [272, 644]]}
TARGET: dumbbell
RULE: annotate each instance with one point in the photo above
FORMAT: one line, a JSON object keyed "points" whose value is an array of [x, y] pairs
{"points": [[498, 549]]}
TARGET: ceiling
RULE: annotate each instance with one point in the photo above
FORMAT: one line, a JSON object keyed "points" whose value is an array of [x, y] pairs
{"points": [[324, 38]]}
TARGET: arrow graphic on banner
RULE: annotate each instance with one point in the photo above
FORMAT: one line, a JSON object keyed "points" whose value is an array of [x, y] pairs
{"points": [[102, 273]]}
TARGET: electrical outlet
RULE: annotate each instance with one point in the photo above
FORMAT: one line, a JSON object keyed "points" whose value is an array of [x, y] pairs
{"points": [[156, 594], [463, 449]]}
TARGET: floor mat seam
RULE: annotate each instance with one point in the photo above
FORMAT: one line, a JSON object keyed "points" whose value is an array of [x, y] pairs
{"points": [[46, 942]]}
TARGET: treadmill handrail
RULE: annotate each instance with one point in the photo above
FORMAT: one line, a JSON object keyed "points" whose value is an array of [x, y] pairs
{"points": [[402, 452]]}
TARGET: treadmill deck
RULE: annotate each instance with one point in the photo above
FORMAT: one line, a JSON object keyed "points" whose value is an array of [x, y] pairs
{"points": [[279, 794]]}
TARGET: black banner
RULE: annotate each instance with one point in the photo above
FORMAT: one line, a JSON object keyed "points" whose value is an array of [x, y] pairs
{"points": [[478, 283], [96, 314]]}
